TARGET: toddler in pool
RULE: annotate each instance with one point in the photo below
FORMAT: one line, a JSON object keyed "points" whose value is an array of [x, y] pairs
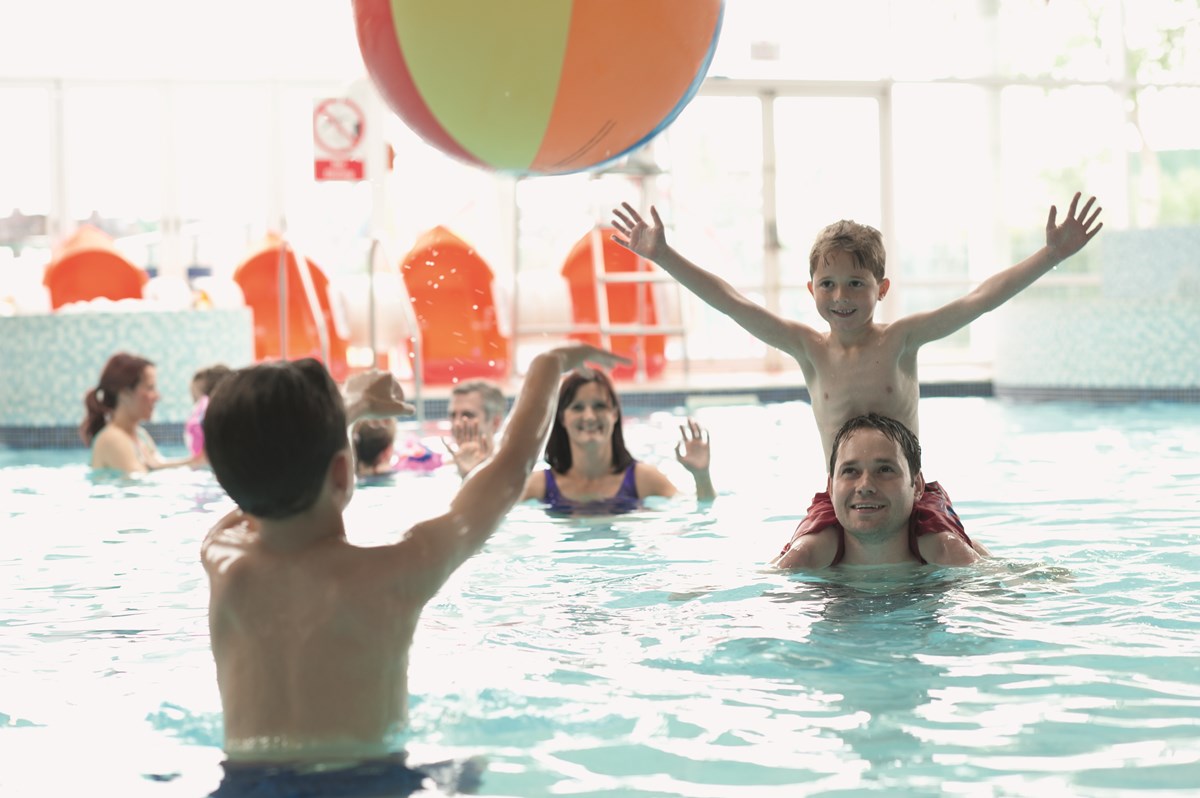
{"points": [[203, 383]]}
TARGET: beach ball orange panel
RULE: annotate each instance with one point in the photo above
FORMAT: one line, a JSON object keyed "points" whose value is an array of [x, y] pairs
{"points": [[537, 87]]}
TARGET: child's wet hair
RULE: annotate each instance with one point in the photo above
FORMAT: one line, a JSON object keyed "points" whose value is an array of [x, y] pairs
{"points": [[270, 433], [863, 242], [209, 377], [372, 437]]}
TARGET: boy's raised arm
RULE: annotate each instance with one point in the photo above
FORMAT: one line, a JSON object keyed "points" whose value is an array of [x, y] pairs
{"points": [[650, 242], [1062, 241], [445, 542]]}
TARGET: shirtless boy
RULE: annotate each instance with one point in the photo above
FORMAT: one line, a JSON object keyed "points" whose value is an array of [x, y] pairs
{"points": [[859, 365], [311, 634]]}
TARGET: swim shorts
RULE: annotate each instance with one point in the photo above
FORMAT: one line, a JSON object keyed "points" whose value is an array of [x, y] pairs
{"points": [[378, 777], [932, 513]]}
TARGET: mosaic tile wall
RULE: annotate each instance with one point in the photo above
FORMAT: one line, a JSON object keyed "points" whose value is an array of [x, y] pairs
{"points": [[48, 362], [1137, 338]]}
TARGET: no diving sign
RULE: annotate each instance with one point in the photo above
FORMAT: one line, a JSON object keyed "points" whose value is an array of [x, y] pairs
{"points": [[338, 140]]}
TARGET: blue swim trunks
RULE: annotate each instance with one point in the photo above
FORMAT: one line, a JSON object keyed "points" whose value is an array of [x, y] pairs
{"points": [[379, 777]]}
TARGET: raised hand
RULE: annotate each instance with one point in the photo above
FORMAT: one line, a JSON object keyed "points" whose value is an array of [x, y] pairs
{"points": [[646, 240], [374, 394], [469, 447], [575, 355], [692, 451], [1065, 239]]}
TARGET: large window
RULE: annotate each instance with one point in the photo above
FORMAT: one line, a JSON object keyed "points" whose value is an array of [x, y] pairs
{"points": [[25, 159], [828, 168], [948, 218], [712, 203], [26, 195], [114, 159], [221, 151], [951, 126]]}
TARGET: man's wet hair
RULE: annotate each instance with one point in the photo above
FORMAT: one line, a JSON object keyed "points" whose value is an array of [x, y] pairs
{"points": [[494, 403], [890, 427]]}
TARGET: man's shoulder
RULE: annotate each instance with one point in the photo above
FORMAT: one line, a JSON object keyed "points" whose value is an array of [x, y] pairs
{"points": [[946, 548]]}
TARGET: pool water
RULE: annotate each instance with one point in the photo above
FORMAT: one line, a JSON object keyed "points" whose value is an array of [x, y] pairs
{"points": [[653, 654]]}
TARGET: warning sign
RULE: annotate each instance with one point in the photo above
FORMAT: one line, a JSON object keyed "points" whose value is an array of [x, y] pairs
{"points": [[338, 139]]}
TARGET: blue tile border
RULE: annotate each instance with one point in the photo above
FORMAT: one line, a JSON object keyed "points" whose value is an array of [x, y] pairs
{"points": [[958, 389], [1054, 393], [164, 434]]}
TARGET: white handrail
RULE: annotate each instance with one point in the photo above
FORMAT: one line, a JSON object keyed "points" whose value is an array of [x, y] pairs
{"points": [[310, 294], [410, 323]]}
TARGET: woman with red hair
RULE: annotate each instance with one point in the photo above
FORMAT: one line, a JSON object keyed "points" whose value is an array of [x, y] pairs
{"points": [[116, 410]]}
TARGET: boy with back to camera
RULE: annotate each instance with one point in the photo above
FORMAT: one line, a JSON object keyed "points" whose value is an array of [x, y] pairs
{"points": [[859, 365], [311, 634]]}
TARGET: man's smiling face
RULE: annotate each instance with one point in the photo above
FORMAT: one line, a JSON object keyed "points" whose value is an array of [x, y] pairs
{"points": [[873, 490]]}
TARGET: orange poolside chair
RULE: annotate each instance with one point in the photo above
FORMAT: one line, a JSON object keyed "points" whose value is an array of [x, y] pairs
{"points": [[451, 291], [258, 277], [629, 303], [87, 266]]}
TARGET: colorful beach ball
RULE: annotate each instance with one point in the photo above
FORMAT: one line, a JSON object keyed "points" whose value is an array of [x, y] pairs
{"points": [[535, 87]]}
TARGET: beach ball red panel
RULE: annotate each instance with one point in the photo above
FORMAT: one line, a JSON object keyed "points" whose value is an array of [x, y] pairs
{"points": [[533, 87]]}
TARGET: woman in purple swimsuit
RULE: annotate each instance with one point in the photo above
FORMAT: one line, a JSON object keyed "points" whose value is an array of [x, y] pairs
{"points": [[590, 470]]}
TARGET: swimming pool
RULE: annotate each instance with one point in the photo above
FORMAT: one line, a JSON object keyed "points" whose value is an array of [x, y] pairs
{"points": [[652, 655]]}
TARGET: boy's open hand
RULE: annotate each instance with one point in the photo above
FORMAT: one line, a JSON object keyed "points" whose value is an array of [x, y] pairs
{"points": [[1066, 239], [374, 394], [646, 240]]}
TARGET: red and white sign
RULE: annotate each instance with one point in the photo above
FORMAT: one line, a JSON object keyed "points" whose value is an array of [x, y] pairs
{"points": [[339, 142]]}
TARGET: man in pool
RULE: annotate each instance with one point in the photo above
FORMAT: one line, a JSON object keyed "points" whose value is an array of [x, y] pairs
{"points": [[859, 365], [311, 634], [881, 513], [477, 409]]}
